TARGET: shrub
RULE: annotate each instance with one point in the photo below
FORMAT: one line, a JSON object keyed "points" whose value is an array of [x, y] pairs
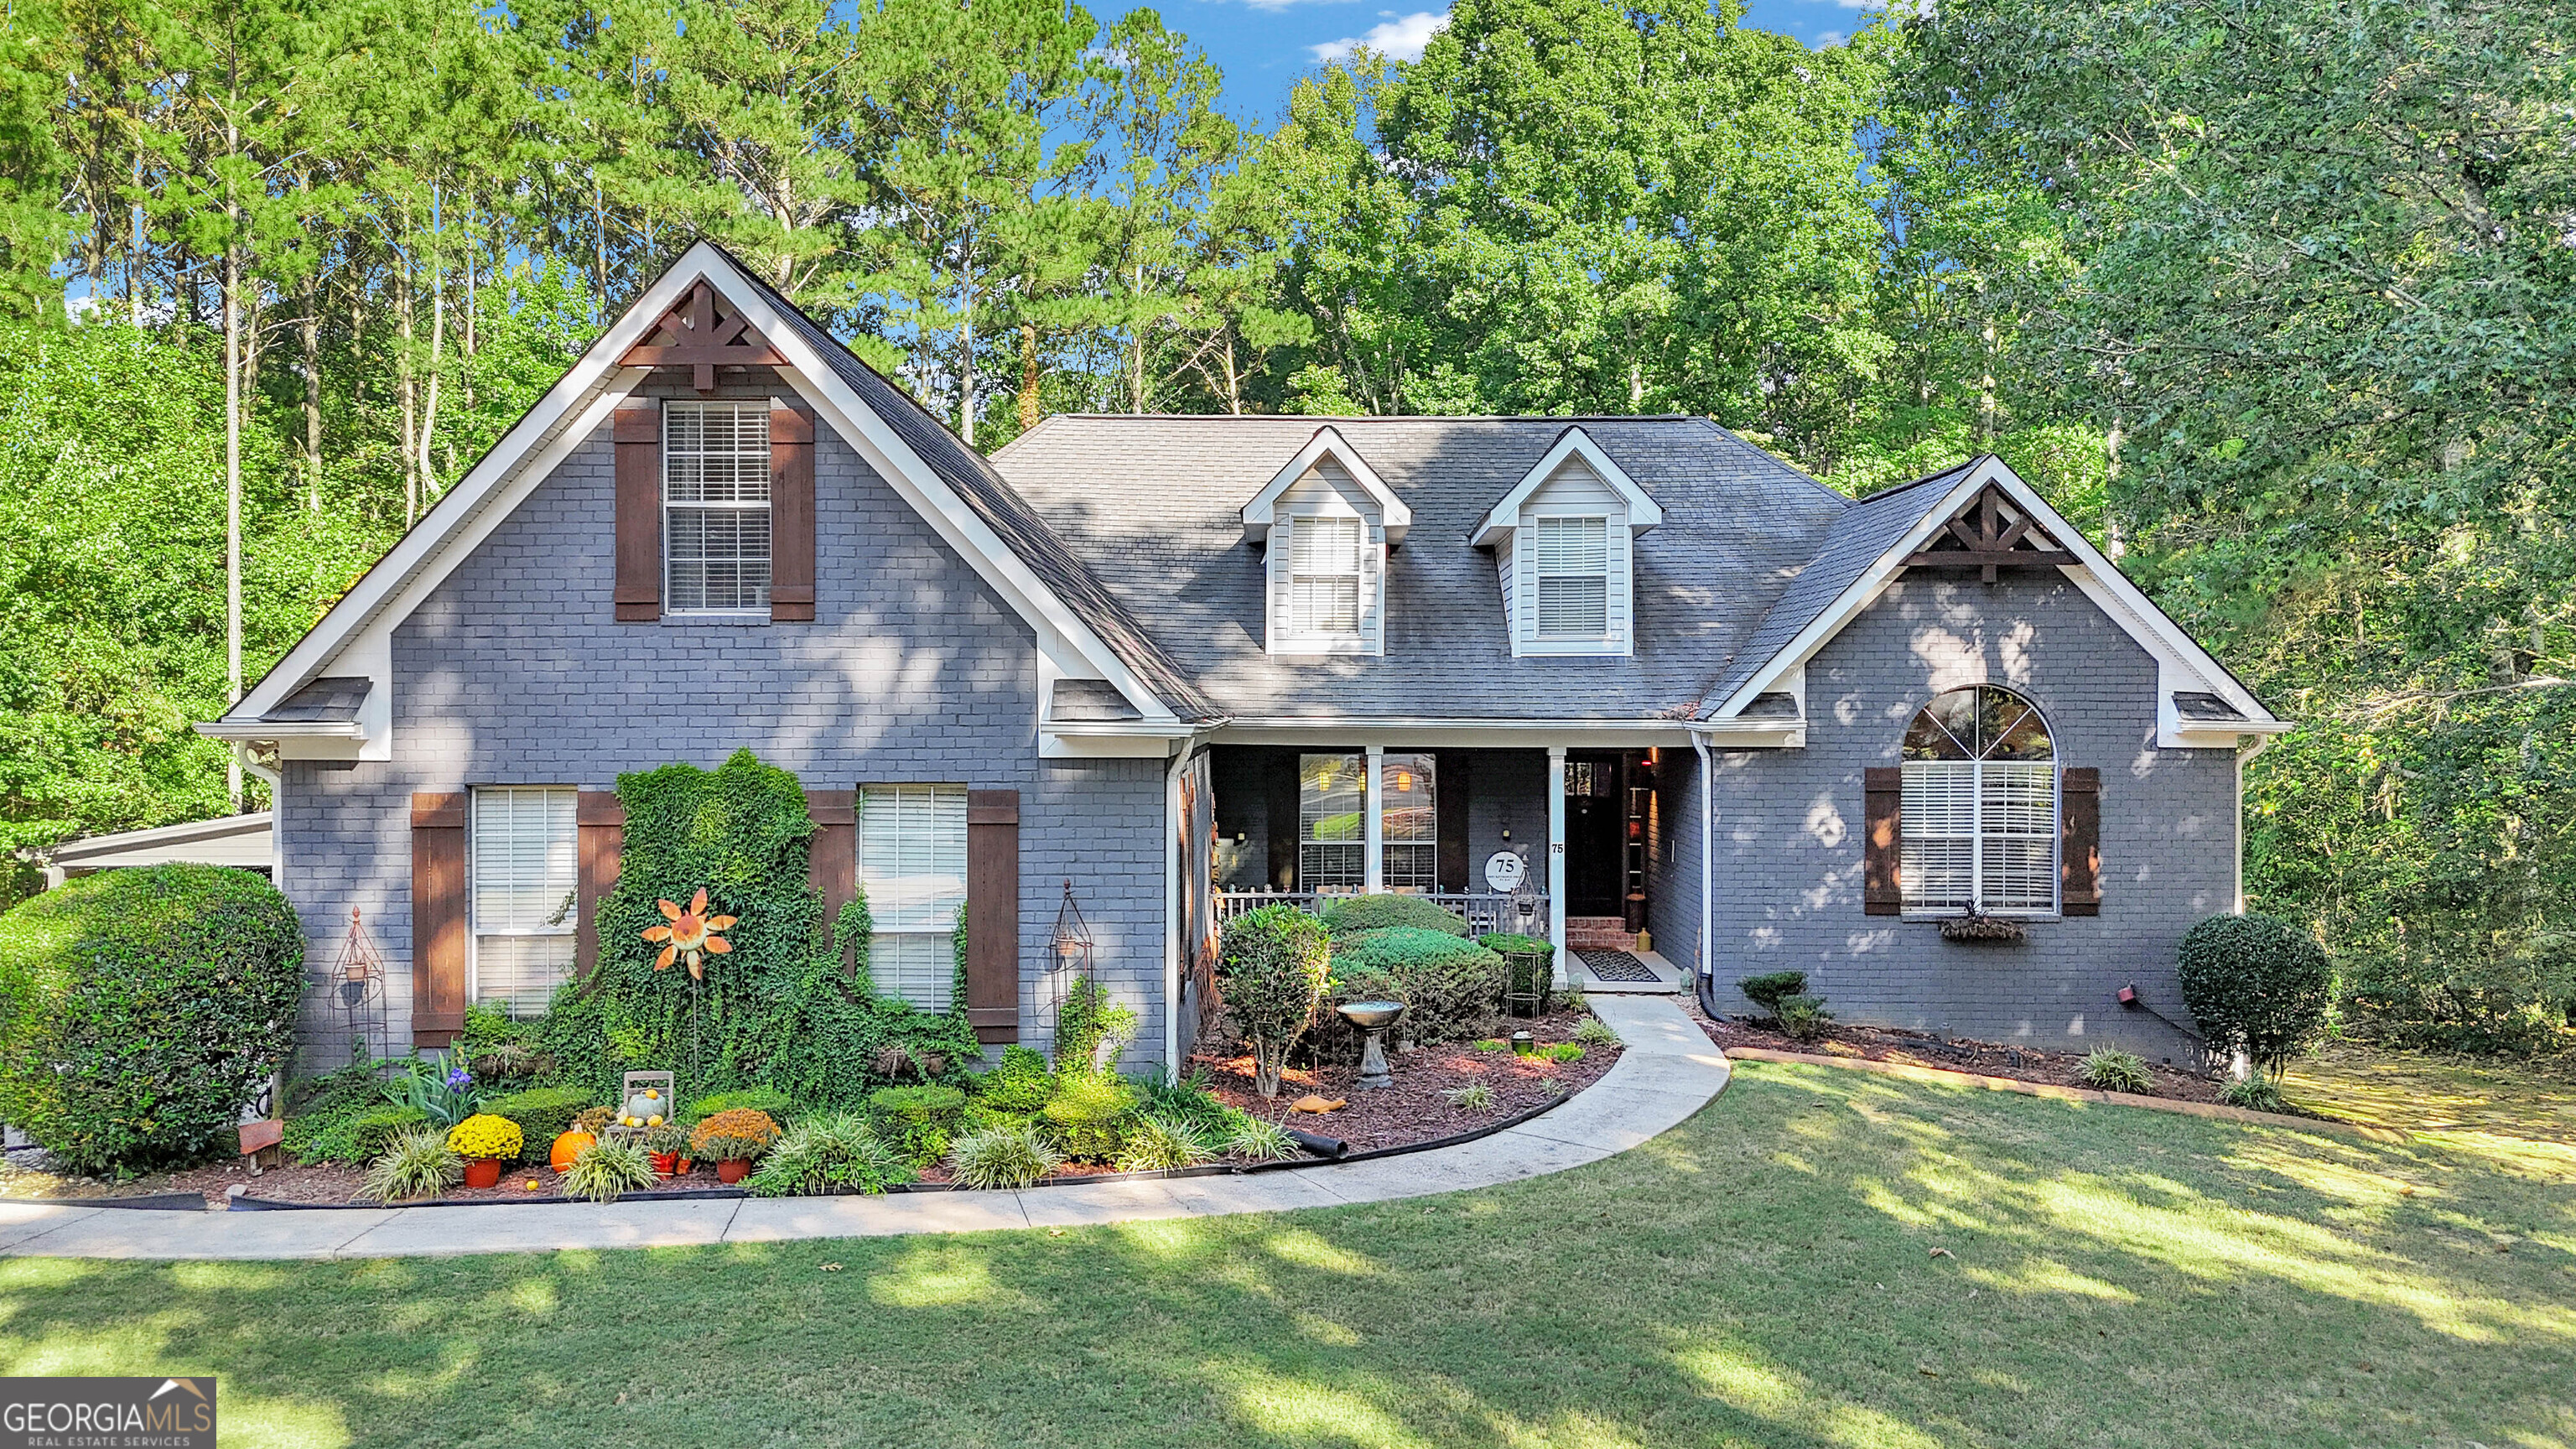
{"points": [[771, 1103], [1091, 1029], [1802, 1016], [2109, 1069], [734, 1135], [1271, 966], [1512, 943], [2259, 1094], [1451, 985], [608, 1167], [444, 1094], [1021, 1083], [1013, 1154], [670, 1138], [2255, 984], [838, 1150], [543, 1113], [140, 1009], [1491, 1044], [416, 1163], [1529, 963], [1260, 1140], [1090, 1116], [1564, 1051], [1350, 915], [1594, 1032], [593, 1120], [484, 1135], [1767, 990], [1190, 1101], [1473, 1097], [916, 1122], [344, 1117], [1160, 1142]]}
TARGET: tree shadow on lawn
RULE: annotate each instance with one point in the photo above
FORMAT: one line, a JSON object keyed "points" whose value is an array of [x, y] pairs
{"points": [[1765, 1274]]}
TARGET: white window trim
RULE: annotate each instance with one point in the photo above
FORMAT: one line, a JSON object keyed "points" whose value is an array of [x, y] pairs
{"points": [[1618, 563], [662, 461], [475, 930], [1284, 637], [1977, 847]]}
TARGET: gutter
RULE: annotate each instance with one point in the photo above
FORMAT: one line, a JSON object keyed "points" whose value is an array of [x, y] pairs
{"points": [[1707, 868], [1172, 906]]}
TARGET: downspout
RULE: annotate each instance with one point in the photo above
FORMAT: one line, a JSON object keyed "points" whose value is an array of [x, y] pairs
{"points": [[275, 780], [1706, 988], [1172, 906]]}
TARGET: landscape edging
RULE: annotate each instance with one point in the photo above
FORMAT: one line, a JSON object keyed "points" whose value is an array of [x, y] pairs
{"points": [[1943, 1075]]}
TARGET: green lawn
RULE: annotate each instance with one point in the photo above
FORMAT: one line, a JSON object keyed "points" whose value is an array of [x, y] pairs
{"points": [[1763, 1275]]}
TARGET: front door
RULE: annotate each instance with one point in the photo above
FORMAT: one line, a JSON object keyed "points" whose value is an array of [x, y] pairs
{"points": [[1594, 819]]}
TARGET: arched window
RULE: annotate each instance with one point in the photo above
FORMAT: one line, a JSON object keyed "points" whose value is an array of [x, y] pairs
{"points": [[1980, 806]]}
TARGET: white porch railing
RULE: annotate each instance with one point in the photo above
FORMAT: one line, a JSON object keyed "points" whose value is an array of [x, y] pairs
{"points": [[1485, 911]]}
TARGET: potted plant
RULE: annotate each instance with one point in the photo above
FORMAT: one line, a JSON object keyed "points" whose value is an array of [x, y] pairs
{"points": [[731, 1139], [669, 1144], [484, 1140]]}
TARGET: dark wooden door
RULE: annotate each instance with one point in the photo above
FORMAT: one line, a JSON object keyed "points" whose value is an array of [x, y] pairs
{"points": [[1594, 816]]}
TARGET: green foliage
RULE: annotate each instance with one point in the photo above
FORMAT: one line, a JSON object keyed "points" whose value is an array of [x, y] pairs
{"points": [[1188, 1101], [1767, 990], [2109, 1069], [2256, 984], [1350, 915], [1473, 1097], [441, 1093], [833, 1152], [416, 1163], [608, 1167], [1258, 1139], [917, 1122], [141, 1009], [758, 1099], [2256, 1094], [1450, 986], [351, 1133], [1006, 1155], [1512, 943], [543, 1113], [1091, 1029], [1592, 1031], [1090, 1116], [1802, 1016], [1490, 1044], [1271, 967], [738, 1134], [1564, 1051], [1021, 1083], [1159, 1141]]}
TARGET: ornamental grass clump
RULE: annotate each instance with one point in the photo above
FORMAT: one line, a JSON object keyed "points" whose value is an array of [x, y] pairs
{"points": [[835, 1152], [1594, 1032], [1160, 1142], [485, 1135], [1803, 1017], [1010, 1154], [2108, 1069], [737, 1134], [608, 1167], [1473, 1097], [1258, 1139], [416, 1164], [1271, 968]]}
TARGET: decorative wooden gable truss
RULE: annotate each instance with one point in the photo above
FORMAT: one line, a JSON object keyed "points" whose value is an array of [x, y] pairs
{"points": [[1990, 534], [702, 332]]}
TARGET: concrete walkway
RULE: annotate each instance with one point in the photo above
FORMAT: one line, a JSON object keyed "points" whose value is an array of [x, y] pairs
{"points": [[1671, 1070]]}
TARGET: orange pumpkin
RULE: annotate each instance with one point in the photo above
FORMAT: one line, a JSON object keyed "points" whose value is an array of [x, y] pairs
{"points": [[567, 1147]]}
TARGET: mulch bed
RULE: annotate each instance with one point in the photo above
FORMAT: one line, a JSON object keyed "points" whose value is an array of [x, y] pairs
{"points": [[1957, 1054], [1413, 1110]]}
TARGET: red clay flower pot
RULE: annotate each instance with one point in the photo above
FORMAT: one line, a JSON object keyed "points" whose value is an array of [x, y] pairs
{"points": [[483, 1172], [733, 1169], [666, 1164]]}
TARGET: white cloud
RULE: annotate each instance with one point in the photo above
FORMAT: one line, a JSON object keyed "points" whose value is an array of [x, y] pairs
{"points": [[1828, 39], [1398, 37]]}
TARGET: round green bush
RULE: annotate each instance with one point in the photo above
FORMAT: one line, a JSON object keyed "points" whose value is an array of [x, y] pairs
{"points": [[141, 1010], [1451, 985], [2255, 982], [1350, 915], [1271, 967], [543, 1114]]}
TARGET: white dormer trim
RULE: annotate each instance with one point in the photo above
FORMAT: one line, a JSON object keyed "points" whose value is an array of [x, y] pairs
{"points": [[1259, 514], [1643, 512]]}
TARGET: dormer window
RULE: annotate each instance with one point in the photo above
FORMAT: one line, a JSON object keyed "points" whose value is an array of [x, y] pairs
{"points": [[1562, 551], [1326, 521]]}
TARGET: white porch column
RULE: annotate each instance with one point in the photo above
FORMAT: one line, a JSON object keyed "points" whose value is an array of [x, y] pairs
{"points": [[1556, 856], [1373, 873]]}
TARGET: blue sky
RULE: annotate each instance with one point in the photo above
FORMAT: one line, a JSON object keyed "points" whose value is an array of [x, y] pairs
{"points": [[1265, 45]]}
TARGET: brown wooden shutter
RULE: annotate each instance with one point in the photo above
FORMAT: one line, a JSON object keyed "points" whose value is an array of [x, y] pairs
{"points": [[1882, 856], [639, 511], [599, 831], [438, 919], [791, 515], [832, 858], [993, 914], [2079, 846]]}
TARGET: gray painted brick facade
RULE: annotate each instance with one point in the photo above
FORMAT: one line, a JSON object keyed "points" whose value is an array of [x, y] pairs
{"points": [[1789, 827], [515, 672]]}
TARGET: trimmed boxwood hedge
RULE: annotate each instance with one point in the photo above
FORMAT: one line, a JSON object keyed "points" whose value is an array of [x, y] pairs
{"points": [[141, 1010], [543, 1114], [1350, 915], [2255, 982], [1453, 986]]}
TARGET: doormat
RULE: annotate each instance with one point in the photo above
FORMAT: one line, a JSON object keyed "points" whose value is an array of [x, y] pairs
{"points": [[1617, 966]]}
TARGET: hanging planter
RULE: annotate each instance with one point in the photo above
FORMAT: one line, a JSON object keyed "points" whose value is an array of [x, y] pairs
{"points": [[1973, 927]]}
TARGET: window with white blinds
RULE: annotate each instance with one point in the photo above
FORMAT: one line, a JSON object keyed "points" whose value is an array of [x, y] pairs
{"points": [[524, 857], [715, 506], [1979, 809], [1324, 576], [1571, 560], [912, 865]]}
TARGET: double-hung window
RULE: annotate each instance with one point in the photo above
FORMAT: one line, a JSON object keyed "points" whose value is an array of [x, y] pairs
{"points": [[1332, 822], [715, 507], [1571, 557], [1410, 833], [912, 865], [525, 865], [1979, 807], [1324, 576]]}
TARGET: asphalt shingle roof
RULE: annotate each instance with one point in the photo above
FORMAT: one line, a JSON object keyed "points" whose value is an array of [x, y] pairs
{"points": [[1152, 506]]}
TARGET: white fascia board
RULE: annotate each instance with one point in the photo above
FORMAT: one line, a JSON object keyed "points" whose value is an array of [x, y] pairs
{"points": [[1643, 512], [1257, 514], [252, 729], [72, 852], [1453, 733]]}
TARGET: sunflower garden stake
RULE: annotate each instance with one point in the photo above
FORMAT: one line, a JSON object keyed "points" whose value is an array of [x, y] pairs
{"points": [[689, 936]]}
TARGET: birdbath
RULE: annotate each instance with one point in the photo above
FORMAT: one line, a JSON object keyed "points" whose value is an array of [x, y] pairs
{"points": [[1373, 1017]]}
